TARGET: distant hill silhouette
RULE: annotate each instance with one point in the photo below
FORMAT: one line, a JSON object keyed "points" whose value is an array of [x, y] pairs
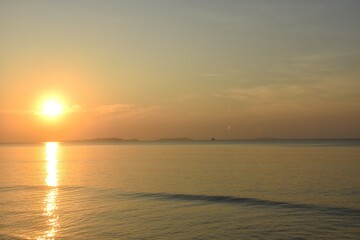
{"points": [[175, 139], [103, 140], [184, 139]]}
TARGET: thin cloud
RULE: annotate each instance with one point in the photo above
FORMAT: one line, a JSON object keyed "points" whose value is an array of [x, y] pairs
{"points": [[115, 110], [124, 110], [16, 112]]}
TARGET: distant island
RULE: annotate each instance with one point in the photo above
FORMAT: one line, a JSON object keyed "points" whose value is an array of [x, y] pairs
{"points": [[175, 140], [101, 140], [265, 140]]}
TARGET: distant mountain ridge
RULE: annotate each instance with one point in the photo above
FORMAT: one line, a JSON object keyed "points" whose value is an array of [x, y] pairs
{"points": [[96, 140], [182, 139], [185, 139]]}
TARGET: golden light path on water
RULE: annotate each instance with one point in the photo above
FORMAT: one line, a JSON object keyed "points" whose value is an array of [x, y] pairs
{"points": [[51, 158], [50, 208]]}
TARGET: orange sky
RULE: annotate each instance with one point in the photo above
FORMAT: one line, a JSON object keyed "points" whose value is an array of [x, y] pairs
{"points": [[203, 69]]}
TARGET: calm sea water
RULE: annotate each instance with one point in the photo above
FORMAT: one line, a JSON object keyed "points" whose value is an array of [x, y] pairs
{"points": [[251, 190]]}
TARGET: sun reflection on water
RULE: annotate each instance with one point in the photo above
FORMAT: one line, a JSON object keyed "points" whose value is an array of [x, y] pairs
{"points": [[50, 208], [51, 158]]}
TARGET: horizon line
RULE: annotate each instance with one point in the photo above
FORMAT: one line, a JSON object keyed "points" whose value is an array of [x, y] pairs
{"points": [[180, 139]]}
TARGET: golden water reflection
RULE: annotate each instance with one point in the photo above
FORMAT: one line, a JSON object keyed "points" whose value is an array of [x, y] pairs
{"points": [[50, 208], [51, 158]]}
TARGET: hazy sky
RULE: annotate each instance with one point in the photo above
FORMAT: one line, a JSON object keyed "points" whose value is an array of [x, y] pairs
{"points": [[201, 69]]}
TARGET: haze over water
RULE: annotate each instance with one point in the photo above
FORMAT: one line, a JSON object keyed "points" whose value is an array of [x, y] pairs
{"points": [[199, 69], [208, 190], [180, 69]]}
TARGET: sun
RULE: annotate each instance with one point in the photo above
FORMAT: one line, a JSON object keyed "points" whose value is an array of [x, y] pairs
{"points": [[52, 108]]}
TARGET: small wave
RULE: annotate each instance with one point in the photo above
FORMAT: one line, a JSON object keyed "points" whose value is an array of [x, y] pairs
{"points": [[219, 199], [9, 237], [21, 188], [37, 187], [249, 201]]}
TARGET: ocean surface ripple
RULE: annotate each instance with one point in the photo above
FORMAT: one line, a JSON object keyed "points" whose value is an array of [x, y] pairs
{"points": [[179, 191]]}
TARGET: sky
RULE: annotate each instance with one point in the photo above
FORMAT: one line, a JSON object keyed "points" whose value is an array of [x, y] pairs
{"points": [[163, 68]]}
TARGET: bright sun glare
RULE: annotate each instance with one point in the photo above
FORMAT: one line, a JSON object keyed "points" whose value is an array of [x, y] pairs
{"points": [[52, 108]]}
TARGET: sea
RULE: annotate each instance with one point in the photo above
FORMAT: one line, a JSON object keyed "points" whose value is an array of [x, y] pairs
{"points": [[270, 189]]}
